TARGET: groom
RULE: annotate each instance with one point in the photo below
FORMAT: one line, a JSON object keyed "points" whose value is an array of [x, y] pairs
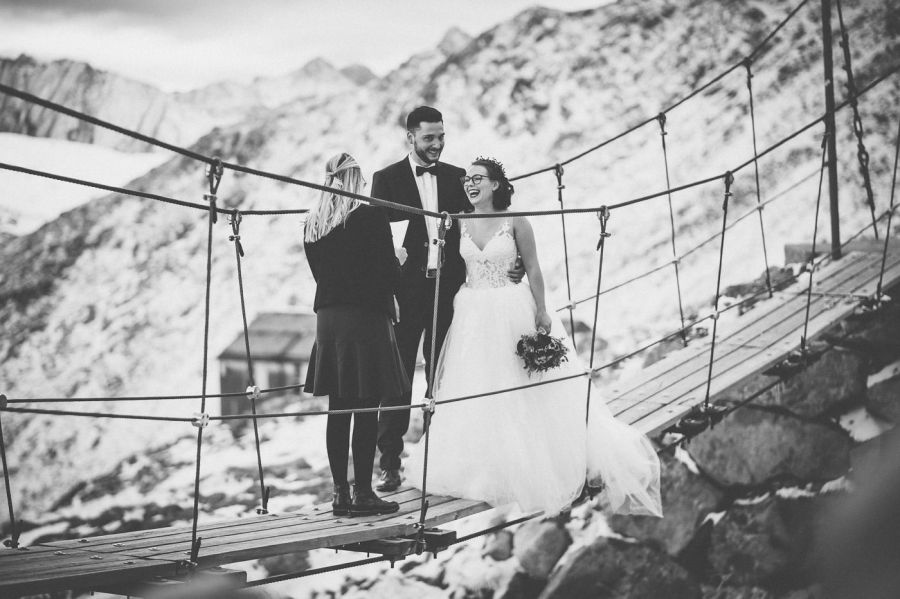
{"points": [[420, 181]]}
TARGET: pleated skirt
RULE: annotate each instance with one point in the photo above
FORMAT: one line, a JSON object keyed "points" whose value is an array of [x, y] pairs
{"points": [[355, 359]]}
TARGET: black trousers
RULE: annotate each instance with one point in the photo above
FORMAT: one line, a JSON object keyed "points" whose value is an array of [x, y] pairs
{"points": [[416, 302]]}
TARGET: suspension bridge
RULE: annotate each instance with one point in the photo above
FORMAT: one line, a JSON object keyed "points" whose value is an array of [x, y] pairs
{"points": [[673, 399]]}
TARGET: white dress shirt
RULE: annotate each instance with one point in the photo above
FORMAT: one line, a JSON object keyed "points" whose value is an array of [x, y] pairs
{"points": [[427, 185]]}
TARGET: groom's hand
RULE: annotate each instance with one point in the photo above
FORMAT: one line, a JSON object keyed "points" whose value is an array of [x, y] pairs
{"points": [[517, 272]]}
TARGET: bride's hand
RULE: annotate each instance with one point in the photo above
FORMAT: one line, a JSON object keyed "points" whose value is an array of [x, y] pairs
{"points": [[542, 321]]}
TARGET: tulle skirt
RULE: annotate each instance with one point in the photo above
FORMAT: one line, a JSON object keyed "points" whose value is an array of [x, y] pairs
{"points": [[530, 446]]}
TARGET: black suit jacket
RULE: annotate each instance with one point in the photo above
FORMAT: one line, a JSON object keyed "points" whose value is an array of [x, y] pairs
{"points": [[396, 183]]}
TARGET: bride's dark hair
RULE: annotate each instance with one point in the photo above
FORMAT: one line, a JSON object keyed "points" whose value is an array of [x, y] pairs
{"points": [[503, 194]]}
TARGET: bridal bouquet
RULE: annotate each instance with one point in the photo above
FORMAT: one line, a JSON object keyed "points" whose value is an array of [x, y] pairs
{"points": [[541, 352]]}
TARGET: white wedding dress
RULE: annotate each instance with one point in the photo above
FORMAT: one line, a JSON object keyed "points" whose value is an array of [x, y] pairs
{"points": [[529, 447]]}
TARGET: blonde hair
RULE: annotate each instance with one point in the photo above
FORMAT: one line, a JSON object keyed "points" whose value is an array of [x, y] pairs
{"points": [[341, 172]]}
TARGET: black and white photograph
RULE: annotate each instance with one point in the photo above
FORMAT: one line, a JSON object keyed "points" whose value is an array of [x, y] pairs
{"points": [[512, 299]]}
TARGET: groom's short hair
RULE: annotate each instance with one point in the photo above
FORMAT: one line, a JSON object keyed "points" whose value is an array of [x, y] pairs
{"points": [[423, 114]]}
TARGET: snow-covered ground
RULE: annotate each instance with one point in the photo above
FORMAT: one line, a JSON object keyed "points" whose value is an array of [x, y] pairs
{"points": [[27, 202]]}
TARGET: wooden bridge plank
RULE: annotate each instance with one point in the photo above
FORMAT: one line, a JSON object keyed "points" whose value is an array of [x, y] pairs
{"points": [[770, 325], [322, 530], [85, 575], [162, 536], [653, 417], [659, 375]]}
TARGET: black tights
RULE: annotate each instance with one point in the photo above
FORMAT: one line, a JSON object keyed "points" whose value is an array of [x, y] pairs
{"points": [[337, 440]]}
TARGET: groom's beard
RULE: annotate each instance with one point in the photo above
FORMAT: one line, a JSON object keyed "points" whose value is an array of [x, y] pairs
{"points": [[424, 157]]}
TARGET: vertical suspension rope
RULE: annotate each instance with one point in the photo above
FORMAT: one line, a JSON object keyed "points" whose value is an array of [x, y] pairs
{"points": [[661, 119], [811, 261], [729, 179], [759, 204], [887, 231], [428, 410], [214, 176], [13, 541], [571, 306], [861, 153], [603, 215], [253, 390]]}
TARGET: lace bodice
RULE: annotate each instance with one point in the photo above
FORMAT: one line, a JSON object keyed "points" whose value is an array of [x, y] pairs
{"points": [[486, 267]]}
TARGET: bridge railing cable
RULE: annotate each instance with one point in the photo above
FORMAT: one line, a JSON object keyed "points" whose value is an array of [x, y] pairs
{"points": [[862, 154], [755, 52], [194, 155], [253, 392], [662, 136], [887, 230], [762, 227], [508, 214]]}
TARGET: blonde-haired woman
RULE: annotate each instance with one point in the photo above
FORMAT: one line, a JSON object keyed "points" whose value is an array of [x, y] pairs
{"points": [[355, 360]]}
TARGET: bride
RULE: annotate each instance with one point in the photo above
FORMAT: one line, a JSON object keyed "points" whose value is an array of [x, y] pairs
{"points": [[531, 446]]}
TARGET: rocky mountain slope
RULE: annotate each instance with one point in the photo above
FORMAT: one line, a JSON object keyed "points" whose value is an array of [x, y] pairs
{"points": [[178, 118], [107, 299]]}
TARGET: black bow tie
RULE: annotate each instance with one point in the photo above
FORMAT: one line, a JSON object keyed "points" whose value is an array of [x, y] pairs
{"points": [[424, 169]]}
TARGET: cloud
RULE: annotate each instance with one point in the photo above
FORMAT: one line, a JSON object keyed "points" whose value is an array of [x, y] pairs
{"points": [[178, 44]]}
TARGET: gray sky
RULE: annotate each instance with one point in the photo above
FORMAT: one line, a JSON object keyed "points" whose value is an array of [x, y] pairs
{"points": [[184, 44]]}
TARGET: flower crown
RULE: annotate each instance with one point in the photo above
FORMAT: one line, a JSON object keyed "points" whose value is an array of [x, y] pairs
{"points": [[493, 161]]}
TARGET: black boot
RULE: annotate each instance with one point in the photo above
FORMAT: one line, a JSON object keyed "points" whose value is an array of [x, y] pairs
{"points": [[367, 503], [340, 504]]}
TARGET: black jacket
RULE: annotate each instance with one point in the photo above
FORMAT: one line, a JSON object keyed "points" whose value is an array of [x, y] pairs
{"points": [[396, 183], [355, 263]]}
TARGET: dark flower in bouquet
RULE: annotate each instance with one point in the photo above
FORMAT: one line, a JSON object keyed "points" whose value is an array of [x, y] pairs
{"points": [[540, 352]]}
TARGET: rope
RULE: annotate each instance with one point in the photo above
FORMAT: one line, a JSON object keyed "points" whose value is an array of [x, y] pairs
{"points": [[729, 179], [443, 227], [377, 559], [147, 397], [101, 186], [13, 541], [97, 415], [253, 391], [762, 45], [862, 154], [559, 189], [762, 228], [733, 408], [698, 246], [401, 207], [662, 136], [756, 50], [887, 231], [812, 253], [214, 175], [601, 245], [313, 572]]}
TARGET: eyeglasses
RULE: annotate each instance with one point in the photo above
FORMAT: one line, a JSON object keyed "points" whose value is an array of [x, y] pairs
{"points": [[474, 179]]}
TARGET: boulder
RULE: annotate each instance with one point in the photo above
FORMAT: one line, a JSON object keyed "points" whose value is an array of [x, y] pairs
{"points": [[614, 569], [752, 445], [520, 586], [883, 395], [767, 543], [539, 545], [499, 546], [687, 499], [836, 379]]}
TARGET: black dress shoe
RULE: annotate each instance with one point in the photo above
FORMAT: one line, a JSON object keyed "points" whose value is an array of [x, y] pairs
{"points": [[340, 504], [367, 503], [390, 480]]}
